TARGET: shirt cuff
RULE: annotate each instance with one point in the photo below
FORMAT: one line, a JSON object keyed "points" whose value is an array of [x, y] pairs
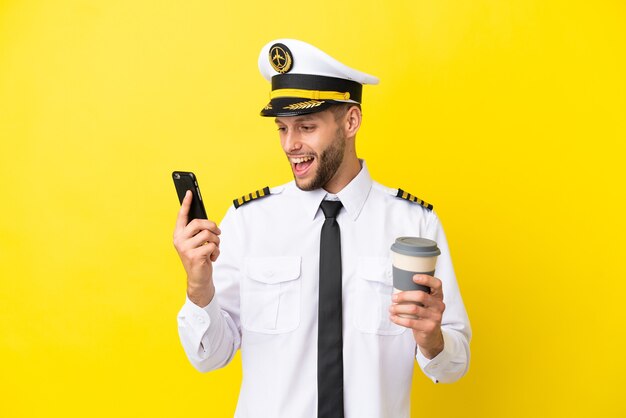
{"points": [[435, 368], [200, 319]]}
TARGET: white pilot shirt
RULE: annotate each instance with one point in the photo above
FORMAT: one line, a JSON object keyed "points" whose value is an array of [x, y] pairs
{"points": [[266, 303]]}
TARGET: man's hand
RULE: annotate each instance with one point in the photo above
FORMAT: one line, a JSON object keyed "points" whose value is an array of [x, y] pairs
{"points": [[428, 310], [197, 244]]}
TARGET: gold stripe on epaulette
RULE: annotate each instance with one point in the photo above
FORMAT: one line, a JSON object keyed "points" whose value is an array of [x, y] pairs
{"points": [[251, 196], [408, 196]]}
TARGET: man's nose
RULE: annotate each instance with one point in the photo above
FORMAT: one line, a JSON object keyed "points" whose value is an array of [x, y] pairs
{"points": [[291, 141]]}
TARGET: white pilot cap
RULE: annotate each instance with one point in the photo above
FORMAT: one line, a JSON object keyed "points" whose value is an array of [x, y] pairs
{"points": [[306, 80]]}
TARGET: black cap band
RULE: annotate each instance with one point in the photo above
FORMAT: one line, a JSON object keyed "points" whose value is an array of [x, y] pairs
{"points": [[317, 82]]}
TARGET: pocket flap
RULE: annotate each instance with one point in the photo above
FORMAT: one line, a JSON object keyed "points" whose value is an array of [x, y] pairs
{"points": [[272, 270], [375, 269]]}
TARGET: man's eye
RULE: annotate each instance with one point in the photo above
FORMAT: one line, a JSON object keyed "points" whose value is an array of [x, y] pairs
{"points": [[281, 129], [308, 128]]}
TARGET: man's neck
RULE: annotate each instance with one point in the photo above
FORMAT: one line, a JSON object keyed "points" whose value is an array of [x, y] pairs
{"points": [[346, 173]]}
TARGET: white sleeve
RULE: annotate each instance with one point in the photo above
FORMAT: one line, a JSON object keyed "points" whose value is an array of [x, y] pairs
{"points": [[452, 363], [211, 335]]}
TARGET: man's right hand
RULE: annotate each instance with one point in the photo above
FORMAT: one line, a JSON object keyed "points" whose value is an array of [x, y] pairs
{"points": [[197, 244]]}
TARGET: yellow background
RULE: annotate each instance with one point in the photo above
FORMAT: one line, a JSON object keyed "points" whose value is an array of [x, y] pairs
{"points": [[507, 115]]}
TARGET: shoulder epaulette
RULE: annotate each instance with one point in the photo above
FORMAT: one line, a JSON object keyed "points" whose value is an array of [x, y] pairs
{"points": [[264, 192], [407, 196]]}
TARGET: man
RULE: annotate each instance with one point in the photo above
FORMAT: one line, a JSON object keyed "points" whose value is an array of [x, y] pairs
{"points": [[305, 290]]}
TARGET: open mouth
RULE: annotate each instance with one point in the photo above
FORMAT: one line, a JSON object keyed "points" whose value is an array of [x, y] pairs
{"points": [[301, 165]]}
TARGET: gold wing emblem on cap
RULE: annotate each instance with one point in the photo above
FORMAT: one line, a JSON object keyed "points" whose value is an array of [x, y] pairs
{"points": [[280, 58]]}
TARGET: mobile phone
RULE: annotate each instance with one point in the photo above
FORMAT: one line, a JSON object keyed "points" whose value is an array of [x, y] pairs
{"points": [[183, 181]]}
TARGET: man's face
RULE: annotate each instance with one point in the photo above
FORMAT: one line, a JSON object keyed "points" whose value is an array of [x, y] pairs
{"points": [[315, 146]]}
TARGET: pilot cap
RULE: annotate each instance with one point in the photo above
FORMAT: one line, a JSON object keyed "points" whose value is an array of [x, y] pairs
{"points": [[307, 80]]}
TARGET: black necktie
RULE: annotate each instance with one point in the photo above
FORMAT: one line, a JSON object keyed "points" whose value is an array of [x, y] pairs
{"points": [[329, 335]]}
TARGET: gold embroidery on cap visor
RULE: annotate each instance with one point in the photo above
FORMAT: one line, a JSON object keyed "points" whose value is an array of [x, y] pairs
{"points": [[280, 58], [304, 105]]}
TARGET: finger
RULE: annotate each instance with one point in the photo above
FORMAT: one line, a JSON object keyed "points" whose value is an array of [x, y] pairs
{"points": [[416, 322], [413, 309], [201, 238], [183, 213], [410, 309], [203, 251], [215, 254], [420, 312], [412, 296], [198, 225], [419, 298], [406, 322], [430, 281], [425, 327]]}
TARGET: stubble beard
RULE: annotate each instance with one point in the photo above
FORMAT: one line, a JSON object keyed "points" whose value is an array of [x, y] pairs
{"points": [[328, 163]]}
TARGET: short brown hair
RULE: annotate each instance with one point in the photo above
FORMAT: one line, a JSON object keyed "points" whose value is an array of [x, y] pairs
{"points": [[339, 110]]}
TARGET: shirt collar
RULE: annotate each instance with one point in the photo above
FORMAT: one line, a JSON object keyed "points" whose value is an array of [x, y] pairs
{"points": [[352, 196]]}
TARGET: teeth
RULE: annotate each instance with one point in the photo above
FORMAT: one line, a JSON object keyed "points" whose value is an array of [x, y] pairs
{"points": [[300, 159]]}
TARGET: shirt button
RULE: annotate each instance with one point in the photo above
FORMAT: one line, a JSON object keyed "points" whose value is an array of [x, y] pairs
{"points": [[269, 273]]}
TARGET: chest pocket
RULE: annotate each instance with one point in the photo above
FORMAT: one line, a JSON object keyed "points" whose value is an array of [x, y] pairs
{"points": [[374, 287], [270, 294]]}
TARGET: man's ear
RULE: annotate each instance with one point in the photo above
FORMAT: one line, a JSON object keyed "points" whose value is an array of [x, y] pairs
{"points": [[352, 121]]}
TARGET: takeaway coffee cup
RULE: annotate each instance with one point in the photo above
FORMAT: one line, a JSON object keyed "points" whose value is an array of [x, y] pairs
{"points": [[410, 256]]}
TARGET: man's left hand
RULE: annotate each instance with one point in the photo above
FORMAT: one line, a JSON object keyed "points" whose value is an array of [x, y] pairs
{"points": [[426, 310]]}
